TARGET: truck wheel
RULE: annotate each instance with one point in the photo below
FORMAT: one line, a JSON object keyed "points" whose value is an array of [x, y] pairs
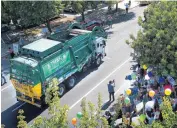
{"points": [[84, 68], [98, 61], [62, 90], [71, 82], [43, 103]]}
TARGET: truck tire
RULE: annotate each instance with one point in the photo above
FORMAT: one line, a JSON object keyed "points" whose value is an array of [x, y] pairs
{"points": [[98, 61], [84, 68], [43, 103], [61, 90], [71, 82]]}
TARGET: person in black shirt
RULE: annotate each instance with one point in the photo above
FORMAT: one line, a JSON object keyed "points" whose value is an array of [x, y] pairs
{"points": [[108, 117]]}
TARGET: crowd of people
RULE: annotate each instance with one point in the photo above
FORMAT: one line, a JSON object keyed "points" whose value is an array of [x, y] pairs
{"points": [[145, 95]]}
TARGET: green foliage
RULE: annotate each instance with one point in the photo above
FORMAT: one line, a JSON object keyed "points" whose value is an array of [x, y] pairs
{"points": [[117, 107], [80, 7], [21, 123], [4, 14], [169, 117], [57, 114], [66, 3], [156, 43], [9, 11], [92, 116], [33, 12], [111, 4], [94, 4]]}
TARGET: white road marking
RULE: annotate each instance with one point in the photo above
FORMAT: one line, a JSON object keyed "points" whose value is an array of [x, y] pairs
{"points": [[100, 83], [107, 58], [18, 107], [3, 41], [125, 83], [121, 87], [5, 87], [117, 68]]}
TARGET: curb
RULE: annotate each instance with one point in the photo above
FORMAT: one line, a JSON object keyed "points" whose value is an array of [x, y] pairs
{"points": [[134, 6]]}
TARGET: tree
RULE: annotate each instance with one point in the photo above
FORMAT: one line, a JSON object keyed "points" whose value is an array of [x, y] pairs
{"points": [[92, 117], [4, 13], [38, 12], [169, 116], [34, 12], [80, 7], [10, 11], [94, 4], [21, 123], [118, 110], [156, 42], [58, 114], [116, 6], [110, 5]]}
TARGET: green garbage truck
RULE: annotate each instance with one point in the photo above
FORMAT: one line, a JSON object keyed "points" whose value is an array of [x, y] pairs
{"points": [[61, 55]]}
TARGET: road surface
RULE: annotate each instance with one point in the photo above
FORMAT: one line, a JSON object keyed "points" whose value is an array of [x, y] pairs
{"points": [[116, 65]]}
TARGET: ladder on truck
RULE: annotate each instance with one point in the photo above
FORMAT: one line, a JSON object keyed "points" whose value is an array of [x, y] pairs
{"points": [[25, 80]]}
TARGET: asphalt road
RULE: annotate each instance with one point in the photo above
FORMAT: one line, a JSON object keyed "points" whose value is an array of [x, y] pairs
{"points": [[115, 66]]}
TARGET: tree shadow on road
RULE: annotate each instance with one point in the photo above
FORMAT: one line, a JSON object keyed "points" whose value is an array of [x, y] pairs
{"points": [[123, 17]]}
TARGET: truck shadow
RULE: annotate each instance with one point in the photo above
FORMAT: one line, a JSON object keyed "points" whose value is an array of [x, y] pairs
{"points": [[82, 75], [124, 17], [9, 116]]}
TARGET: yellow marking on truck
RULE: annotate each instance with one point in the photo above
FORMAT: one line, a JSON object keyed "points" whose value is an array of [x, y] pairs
{"points": [[28, 90], [22, 99], [37, 90]]}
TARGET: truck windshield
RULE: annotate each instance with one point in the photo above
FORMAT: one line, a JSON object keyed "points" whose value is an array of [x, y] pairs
{"points": [[24, 73]]}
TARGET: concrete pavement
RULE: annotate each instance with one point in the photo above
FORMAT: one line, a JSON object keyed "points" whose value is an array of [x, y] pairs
{"points": [[116, 65]]}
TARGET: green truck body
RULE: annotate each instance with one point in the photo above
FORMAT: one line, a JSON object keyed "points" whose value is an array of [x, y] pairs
{"points": [[60, 56]]}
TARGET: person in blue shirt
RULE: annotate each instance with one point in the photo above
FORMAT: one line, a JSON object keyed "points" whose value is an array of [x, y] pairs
{"points": [[111, 91]]}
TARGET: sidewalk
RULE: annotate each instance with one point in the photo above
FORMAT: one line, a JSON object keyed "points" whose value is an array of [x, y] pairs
{"points": [[134, 3], [111, 108], [121, 4]]}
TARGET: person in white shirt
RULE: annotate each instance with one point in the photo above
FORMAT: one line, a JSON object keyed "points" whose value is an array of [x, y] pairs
{"points": [[126, 7]]}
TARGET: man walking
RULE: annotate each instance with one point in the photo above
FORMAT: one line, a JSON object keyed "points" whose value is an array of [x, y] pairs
{"points": [[126, 7], [111, 86]]}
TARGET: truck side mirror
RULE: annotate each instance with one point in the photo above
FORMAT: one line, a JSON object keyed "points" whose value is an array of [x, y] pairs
{"points": [[104, 43]]}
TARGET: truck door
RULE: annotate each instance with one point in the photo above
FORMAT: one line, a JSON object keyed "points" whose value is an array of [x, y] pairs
{"points": [[100, 48], [103, 46]]}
